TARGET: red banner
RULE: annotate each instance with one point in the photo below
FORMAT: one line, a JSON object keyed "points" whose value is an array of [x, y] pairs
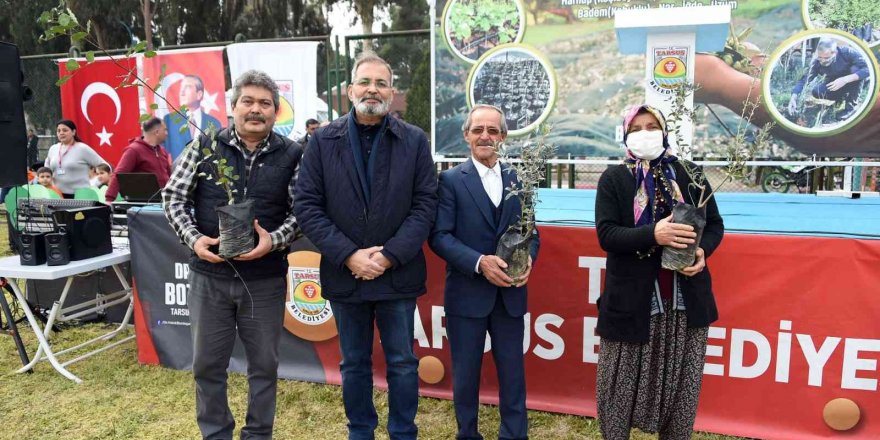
{"points": [[799, 327], [194, 78], [106, 115]]}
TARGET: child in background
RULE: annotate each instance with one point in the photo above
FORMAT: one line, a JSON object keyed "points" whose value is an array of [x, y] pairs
{"points": [[44, 177], [102, 176]]}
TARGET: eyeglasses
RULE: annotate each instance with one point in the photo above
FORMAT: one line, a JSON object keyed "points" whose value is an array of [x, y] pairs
{"points": [[492, 131], [380, 84]]}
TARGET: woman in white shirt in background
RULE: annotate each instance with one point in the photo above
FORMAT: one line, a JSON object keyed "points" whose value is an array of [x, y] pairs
{"points": [[70, 159]]}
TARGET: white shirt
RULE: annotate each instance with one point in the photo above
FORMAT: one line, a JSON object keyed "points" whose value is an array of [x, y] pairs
{"points": [[494, 186], [492, 183], [195, 117]]}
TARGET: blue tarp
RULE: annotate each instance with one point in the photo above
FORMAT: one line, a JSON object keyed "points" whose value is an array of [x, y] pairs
{"points": [[757, 213]]}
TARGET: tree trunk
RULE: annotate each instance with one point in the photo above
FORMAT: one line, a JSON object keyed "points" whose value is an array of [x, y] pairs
{"points": [[366, 9], [148, 22], [73, 5], [99, 34], [367, 19]]}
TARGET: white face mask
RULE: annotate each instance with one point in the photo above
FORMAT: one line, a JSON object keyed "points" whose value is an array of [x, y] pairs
{"points": [[645, 144]]}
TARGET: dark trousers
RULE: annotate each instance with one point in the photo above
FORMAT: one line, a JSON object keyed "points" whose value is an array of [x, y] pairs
{"points": [[355, 325], [467, 337], [220, 307], [848, 93]]}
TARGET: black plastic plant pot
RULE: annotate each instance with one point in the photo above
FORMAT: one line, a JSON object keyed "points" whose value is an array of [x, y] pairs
{"points": [[677, 259], [236, 228], [513, 248]]}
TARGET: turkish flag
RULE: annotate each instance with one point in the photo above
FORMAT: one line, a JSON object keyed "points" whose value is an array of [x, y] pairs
{"points": [[194, 78], [106, 115]]}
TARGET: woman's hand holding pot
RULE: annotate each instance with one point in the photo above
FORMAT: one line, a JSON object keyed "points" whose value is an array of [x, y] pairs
{"points": [[675, 235], [698, 266]]}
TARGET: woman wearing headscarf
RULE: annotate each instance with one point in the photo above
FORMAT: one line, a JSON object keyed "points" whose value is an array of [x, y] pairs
{"points": [[653, 322], [70, 159]]}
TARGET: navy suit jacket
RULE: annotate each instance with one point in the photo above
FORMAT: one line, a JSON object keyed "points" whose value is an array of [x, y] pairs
{"points": [[333, 213], [464, 230], [177, 141]]}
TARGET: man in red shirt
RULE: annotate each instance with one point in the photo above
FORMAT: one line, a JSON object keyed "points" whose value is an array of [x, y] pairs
{"points": [[144, 155]]}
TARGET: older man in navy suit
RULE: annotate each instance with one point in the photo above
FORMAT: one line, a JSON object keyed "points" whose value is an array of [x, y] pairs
{"points": [[474, 212], [366, 197]]}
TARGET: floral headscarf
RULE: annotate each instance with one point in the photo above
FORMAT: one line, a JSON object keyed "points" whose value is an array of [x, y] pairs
{"points": [[656, 186]]}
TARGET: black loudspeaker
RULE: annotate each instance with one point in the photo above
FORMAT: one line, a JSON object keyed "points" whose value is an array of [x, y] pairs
{"points": [[33, 249], [88, 231], [57, 249], [13, 93]]}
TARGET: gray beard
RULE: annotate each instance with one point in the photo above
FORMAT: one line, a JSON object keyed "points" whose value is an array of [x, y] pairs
{"points": [[372, 109]]}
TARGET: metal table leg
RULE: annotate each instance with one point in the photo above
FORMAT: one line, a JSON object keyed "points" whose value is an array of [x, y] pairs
{"points": [[45, 349], [58, 313]]}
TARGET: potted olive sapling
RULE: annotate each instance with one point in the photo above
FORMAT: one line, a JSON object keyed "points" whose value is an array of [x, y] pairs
{"points": [[530, 168], [739, 148], [236, 218]]}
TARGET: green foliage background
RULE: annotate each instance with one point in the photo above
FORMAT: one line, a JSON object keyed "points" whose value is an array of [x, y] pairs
{"points": [[845, 14], [418, 100], [468, 17]]}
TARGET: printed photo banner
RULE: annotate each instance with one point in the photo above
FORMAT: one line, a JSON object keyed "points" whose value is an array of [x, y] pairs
{"points": [[558, 62], [190, 77], [293, 66], [105, 114]]}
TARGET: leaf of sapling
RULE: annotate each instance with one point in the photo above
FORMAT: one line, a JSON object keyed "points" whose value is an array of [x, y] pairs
{"points": [[63, 80], [90, 55], [154, 106], [144, 117], [79, 36], [71, 65]]}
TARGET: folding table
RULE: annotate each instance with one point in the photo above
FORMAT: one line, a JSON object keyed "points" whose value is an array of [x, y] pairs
{"points": [[11, 269]]}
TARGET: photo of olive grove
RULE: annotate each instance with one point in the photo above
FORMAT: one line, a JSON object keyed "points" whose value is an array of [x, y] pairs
{"points": [[516, 81], [860, 18], [474, 27]]}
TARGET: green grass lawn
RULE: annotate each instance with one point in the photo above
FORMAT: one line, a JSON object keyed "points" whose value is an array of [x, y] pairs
{"points": [[122, 399]]}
